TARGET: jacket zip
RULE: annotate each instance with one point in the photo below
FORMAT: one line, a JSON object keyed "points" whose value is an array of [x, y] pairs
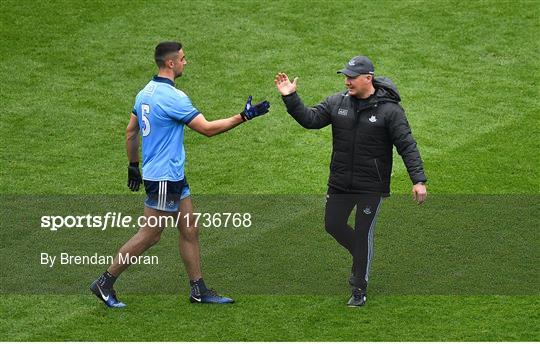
{"points": [[357, 120], [377, 168], [351, 169]]}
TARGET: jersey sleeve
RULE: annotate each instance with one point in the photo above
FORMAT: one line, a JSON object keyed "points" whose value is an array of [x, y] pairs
{"points": [[181, 109]]}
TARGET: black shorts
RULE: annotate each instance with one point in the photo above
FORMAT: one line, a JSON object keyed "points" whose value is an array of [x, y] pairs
{"points": [[165, 195]]}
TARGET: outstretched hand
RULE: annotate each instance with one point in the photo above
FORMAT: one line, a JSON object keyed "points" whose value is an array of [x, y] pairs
{"points": [[284, 85], [252, 111]]}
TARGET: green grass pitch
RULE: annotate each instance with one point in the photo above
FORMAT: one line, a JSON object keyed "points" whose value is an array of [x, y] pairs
{"points": [[462, 267]]}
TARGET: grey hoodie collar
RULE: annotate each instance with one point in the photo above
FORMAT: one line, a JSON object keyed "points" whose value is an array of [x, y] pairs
{"points": [[385, 88]]}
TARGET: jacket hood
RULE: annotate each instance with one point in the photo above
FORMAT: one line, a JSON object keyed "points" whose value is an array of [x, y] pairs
{"points": [[386, 89]]}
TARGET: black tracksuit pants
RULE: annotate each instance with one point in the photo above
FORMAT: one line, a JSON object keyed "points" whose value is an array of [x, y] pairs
{"points": [[358, 241]]}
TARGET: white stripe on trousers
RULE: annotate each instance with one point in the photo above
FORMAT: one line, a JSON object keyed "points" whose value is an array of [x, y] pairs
{"points": [[371, 234], [159, 195], [162, 195], [164, 202]]}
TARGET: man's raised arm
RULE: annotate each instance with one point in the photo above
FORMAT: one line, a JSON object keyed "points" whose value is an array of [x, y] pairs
{"points": [[311, 118]]}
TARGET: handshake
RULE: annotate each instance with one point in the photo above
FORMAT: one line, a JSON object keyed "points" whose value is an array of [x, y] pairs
{"points": [[284, 86]]}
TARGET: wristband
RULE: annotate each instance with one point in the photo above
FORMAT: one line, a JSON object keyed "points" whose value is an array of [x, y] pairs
{"points": [[243, 116]]}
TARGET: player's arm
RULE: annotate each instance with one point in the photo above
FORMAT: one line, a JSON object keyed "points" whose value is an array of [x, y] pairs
{"points": [[132, 149], [132, 139], [210, 128], [311, 118]]}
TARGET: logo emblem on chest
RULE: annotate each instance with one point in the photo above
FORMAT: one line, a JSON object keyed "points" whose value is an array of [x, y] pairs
{"points": [[342, 112], [373, 119]]}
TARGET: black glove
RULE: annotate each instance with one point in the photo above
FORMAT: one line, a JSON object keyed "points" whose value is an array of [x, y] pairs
{"points": [[134, 176], [252, 111]]}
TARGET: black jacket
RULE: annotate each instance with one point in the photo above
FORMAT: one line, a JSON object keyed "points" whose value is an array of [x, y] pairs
{"points": [[363, 135]]}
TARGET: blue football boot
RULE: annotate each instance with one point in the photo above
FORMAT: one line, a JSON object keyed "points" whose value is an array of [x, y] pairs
{"points": [[108, 296], [207, 296]]}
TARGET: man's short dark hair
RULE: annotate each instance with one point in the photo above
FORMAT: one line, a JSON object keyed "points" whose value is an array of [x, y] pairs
{"points": [[163, 50]]}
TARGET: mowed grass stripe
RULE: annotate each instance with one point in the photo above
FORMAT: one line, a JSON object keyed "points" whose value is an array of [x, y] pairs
{"points": [[168, 318]]}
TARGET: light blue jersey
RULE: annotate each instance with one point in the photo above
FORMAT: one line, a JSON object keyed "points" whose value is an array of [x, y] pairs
{"points": [[162, 112]]}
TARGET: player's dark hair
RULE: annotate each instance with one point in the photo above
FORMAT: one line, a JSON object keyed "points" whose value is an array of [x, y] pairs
{"points": [[163, 50]]}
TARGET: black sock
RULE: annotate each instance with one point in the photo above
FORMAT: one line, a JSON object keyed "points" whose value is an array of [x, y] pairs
{"points": [[106, 280], [198, 285]]}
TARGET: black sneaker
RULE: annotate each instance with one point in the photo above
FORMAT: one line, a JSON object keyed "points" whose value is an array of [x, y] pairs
{"points": [[358, 298]]}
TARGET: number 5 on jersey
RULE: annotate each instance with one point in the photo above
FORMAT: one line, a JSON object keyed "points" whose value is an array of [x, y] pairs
{"points": [[146, 123]]}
